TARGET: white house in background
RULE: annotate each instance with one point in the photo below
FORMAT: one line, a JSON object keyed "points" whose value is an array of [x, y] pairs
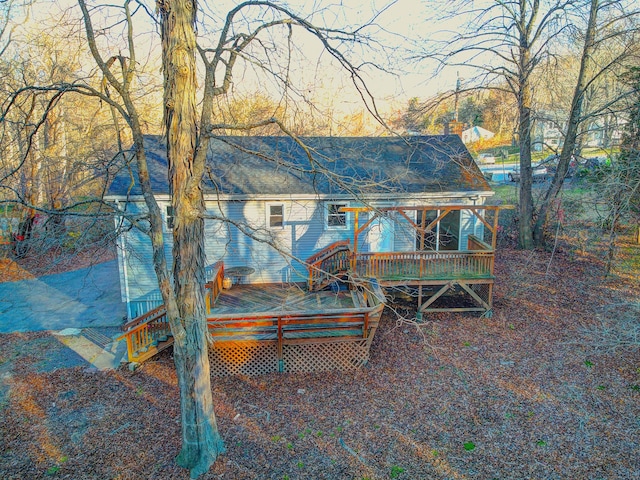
{"points": [[474, 134], [271, 204]]}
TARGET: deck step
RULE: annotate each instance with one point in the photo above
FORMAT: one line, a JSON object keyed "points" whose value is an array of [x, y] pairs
{"points": [[96, 337]]}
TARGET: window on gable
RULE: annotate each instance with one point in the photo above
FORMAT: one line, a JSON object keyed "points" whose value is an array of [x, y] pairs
{"points": [[276, 216], [335, 218]]}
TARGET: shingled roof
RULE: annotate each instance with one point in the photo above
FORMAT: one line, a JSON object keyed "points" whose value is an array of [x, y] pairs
{"points": [[329, 166]]}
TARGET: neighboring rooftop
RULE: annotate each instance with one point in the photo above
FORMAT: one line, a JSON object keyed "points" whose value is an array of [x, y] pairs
{"points": [[330, 165]]}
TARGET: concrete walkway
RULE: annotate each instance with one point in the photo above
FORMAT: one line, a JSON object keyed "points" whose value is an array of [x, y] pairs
{"points": [[81, 307], [89, 297]]}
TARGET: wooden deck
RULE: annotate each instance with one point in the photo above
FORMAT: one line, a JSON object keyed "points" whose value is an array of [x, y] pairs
{"points": [[257, 299], [258, 329]]}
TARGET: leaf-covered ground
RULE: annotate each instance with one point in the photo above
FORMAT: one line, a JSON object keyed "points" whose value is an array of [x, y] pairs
{"points": [[527, 393]]}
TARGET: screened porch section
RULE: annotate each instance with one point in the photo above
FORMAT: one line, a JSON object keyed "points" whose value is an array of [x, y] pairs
{"points": [[449, 268]]}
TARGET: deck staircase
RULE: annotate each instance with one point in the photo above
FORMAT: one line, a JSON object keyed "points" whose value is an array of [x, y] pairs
{"points": [[150, 333], [329, 265], [147, 335]]}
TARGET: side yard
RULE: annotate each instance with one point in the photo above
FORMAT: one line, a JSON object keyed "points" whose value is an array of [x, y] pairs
{"points": [[531, 392]]}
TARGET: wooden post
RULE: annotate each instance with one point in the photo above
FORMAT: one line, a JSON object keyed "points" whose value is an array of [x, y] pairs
{"points": [[421, 269], [280, 340], [129, 348], [365, 328], [355, 243], [494, 240]]}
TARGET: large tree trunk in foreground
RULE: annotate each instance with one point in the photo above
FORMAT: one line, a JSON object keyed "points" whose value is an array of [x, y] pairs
{"points": [[201, 442]]}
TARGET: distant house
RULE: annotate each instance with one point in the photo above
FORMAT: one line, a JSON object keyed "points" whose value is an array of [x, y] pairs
{"points": [[475, 134]]}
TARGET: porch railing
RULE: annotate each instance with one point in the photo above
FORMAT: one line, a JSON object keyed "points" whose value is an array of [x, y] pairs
{"points": [[427, 265]]}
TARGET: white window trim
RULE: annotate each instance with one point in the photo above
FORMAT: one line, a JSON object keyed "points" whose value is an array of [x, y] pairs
{"points": [[168, 223], [268, 215], [326, 216]]}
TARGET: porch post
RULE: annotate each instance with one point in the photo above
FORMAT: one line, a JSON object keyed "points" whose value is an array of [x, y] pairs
{"points": [[354, 250]]}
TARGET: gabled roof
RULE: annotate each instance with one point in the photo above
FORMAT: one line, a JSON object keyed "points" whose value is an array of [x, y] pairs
{"points": [[329, 166]]}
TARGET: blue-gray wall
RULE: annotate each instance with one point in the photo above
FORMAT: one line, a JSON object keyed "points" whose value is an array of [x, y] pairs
{"points": [[276, 254]]}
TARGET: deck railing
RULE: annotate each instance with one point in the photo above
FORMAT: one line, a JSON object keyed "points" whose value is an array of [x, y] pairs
{"points": [[474, 243], [338, 259], [147, 335], [426, 265], [300, 327], [214, 287]]}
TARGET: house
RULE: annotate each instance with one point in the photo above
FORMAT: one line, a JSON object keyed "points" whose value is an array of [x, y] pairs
{"points": [[279, 214], [475, 134]]}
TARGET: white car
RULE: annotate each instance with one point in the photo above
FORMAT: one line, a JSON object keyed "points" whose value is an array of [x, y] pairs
{"points": [[539, 174], [486, 159]]}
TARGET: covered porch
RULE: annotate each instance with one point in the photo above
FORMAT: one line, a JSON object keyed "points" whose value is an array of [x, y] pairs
{"points": [[435, 273]]}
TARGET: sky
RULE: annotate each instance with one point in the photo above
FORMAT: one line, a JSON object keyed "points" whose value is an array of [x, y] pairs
{"points": [[399, 25]]}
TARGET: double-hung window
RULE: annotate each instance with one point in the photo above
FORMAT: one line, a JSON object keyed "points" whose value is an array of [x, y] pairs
{"points": [[336, 219], [275, 215]]}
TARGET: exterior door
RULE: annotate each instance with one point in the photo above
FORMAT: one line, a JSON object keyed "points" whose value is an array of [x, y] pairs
{"points": [[380, 235]]}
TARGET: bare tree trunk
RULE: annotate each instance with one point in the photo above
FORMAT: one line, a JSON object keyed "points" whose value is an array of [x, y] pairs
{"points": [[201, 441], [525, 234], [524, 96], [572, 129], [611, 250]]}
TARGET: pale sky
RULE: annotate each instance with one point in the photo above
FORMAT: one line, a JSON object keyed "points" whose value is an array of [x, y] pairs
{"points": [[401, 24]]}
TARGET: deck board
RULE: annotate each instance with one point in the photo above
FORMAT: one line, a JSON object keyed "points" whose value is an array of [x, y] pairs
{"points": [[253, 299]]}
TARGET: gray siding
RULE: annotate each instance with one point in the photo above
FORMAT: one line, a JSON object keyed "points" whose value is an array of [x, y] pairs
{"points": [[276, 254]]}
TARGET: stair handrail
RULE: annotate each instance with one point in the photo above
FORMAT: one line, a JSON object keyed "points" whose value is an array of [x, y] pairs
{"points": [[318, 272], [144, 318], [142, 332], [214, 286], [328, 251]]}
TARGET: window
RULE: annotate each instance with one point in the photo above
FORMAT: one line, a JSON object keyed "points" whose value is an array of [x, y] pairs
{"points": [[449, 231], [335, 218], [169, 218], [442, 236], [276, 216], [428, 240]]}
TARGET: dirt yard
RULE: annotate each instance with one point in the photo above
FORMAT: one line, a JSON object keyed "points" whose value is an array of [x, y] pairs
{"points": [[531, 392]]}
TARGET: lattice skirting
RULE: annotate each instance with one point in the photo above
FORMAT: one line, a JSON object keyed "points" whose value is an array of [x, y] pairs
{"points": [[321, 357], [483, 290], [243, 358], [259, 358]]}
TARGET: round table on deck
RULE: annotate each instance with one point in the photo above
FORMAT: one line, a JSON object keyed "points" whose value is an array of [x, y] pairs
{"points": [[238, 273]]}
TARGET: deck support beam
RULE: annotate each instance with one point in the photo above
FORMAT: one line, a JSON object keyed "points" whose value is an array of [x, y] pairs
{"points": [[483, 305], [437, 295]]}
